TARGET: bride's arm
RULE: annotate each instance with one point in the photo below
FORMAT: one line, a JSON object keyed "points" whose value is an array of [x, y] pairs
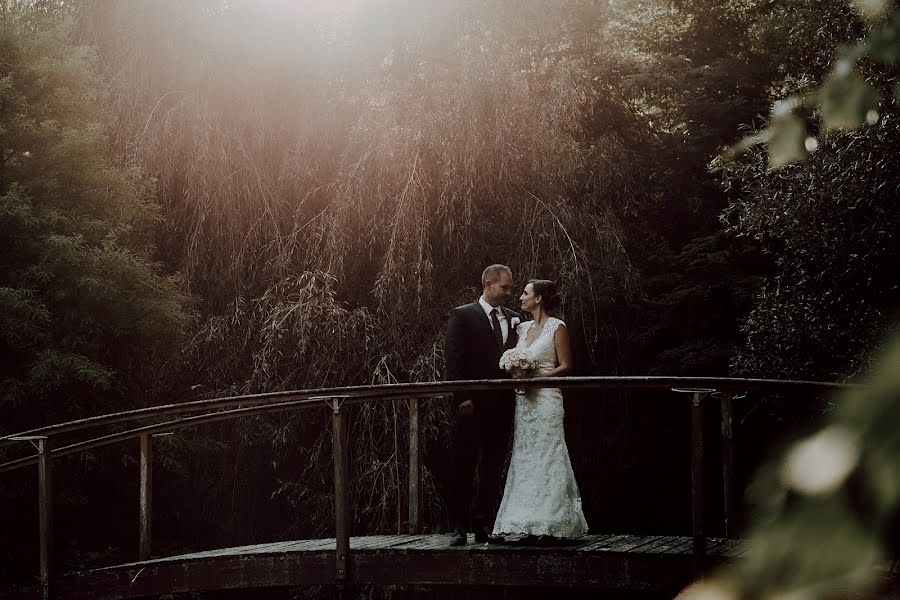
{"points": [[563, 353]]}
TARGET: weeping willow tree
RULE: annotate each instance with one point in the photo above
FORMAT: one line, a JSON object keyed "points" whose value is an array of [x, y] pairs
{"points": [[332, 184]]}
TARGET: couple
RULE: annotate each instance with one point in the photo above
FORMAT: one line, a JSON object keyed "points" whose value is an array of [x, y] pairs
{"points": [[540, 497]]}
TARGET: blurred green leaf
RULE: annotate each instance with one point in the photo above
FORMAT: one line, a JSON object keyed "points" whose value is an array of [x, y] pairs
{"points": [[870, 10], [845, 100], [787, 137], [827, 544], [884, 42], [845, 552]]}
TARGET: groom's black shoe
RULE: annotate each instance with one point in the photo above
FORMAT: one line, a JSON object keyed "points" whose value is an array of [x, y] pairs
{"points": [[483, 536], [458, 538]]}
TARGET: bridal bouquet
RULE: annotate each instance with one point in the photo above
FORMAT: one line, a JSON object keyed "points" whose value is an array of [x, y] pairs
{"points": [[515, 358]]}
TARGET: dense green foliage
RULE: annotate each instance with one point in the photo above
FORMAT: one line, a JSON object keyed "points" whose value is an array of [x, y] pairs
{"points": [[86, 314], [846, 473], [831, 223]]}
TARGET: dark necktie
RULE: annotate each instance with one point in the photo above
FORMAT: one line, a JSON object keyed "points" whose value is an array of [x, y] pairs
{"points": [[498, 333]]}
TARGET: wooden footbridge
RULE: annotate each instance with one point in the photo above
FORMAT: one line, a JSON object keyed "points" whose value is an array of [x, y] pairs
{"points": [[628, 562], [648, 563]]}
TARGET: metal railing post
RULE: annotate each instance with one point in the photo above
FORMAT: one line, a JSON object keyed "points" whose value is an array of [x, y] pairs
{"points": [[146, 498], [45, 507], [699, 541], [45, 511], [698, 538], [728, 461], [415, 467], [341, 492]]}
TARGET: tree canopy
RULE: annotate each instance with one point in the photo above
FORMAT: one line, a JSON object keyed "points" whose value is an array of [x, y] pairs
{"points": [[86, 311]]}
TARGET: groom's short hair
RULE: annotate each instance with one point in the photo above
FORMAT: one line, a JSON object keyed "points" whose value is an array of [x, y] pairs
{"points": [[492, 273]]}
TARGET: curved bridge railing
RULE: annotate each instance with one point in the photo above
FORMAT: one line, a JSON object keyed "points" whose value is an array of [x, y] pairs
{"points": [[339, 400]]}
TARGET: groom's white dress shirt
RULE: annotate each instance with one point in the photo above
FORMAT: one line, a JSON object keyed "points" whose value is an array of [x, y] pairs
{"points": [[504, 324]]}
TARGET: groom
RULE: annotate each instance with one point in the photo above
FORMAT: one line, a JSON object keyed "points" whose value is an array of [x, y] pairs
{"points": [[477, 335]]}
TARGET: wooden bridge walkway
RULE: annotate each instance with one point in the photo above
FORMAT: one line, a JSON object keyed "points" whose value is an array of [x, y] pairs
{"points": [[648, 563]]}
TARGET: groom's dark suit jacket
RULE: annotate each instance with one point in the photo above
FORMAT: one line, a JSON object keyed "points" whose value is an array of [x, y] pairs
{"points": [[472, 351]]}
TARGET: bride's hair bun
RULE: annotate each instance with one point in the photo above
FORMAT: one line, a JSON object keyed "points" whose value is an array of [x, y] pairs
{"points": [[546, 289]]}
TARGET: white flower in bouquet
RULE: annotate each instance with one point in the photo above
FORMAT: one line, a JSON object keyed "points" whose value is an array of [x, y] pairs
{"points": [[516, 359]]}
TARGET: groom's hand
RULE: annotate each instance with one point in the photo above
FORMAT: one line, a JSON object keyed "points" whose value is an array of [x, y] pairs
{"points": [[467, 408]]}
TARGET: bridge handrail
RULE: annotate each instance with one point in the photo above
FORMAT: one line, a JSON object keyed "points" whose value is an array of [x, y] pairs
{"points": [[433, 388], [220, 409]]}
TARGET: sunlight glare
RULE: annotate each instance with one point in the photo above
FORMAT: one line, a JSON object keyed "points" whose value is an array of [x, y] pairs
{"points": [[317, 7]]}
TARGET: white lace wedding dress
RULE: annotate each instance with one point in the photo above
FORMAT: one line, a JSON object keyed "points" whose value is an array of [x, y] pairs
{"points": [[541, 496]]}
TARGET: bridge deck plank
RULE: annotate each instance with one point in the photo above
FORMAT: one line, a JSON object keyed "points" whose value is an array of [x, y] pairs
{"points": [[723, 547], [601, 561], [680, 547], [603, 541], [630, 542], [659, 544], [644, 544], [736, 549]]}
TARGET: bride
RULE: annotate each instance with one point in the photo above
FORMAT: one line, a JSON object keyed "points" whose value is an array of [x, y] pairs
{"points": [[541, 497]]}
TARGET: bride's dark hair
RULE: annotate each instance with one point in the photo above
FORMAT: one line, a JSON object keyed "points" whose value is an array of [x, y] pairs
{"points": [[546, 289]]}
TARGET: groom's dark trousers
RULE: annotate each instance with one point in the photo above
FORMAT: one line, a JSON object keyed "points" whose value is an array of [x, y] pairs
{"points": [[482, 438]]}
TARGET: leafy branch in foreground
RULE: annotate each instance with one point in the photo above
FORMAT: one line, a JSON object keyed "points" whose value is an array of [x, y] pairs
{"points": [[829, 507], [844, 101]]}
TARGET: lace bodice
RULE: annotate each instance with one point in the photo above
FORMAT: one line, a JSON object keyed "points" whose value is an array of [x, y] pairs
{"points": [[542, 350]]}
